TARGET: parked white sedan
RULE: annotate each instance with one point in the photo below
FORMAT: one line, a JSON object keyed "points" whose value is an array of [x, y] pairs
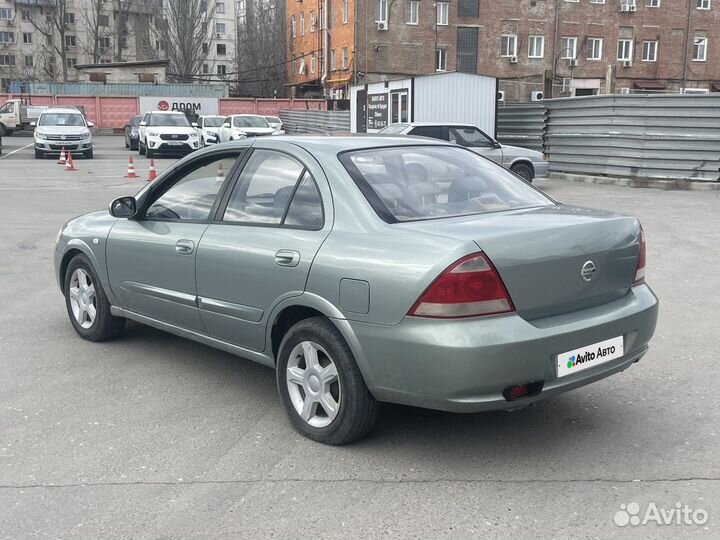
{"points": [[240, 126]]}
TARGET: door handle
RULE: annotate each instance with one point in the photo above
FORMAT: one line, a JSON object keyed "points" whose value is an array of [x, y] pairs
{"points": [[287, 257], [184, 247]]}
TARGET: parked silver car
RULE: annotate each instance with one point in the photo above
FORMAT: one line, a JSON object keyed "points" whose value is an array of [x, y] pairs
{"points": [[60, 128], [364, 270], [527, 164]]}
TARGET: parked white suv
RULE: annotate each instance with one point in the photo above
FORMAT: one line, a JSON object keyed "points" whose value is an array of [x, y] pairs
{"points": [[58, 128], [240, 126], [208, 127], [166, 132]]}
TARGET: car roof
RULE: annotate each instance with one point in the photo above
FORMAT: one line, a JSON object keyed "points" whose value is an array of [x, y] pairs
{"points": [[166, 112], [71, 110], [421, 124], [255, 115], [335, 145]]}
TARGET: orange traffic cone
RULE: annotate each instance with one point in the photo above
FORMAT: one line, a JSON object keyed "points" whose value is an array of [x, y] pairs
{"points": [[69, 164], [152, 175], [62, 159], [131, 169], [220, 178]]}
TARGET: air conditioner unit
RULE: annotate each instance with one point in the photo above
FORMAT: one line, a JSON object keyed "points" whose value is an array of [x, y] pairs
{"points": [[573, 63], [513, 59], [632, 8], [536, 96], [218, 35], [501, 95], [382, 25], [627, 63], [624, 90], [624, 8]]}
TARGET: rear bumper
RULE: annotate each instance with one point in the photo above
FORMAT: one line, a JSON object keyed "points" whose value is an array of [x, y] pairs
{"points": [[464, 366]]}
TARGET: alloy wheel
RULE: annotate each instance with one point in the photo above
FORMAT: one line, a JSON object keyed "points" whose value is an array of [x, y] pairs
{"points": [[313, 384], [83, 300]]}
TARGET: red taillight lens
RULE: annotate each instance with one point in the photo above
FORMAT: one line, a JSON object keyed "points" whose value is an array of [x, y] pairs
{"points": [[469, 288], [640, 271]]}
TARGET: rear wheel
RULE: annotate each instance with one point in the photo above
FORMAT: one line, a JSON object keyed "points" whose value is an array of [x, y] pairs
{"points": [[321, 386], [87, 305], [141, 148], [524, 171]]}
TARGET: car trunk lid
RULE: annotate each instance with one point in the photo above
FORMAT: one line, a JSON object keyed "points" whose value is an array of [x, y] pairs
{"points": [[554, 259]]}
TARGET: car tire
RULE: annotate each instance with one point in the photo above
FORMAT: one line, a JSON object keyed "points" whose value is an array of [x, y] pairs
{"points": [[524, 171], [202, 142], [149, 153], [141, 148], [38, 154], [351, 409], [84, 295], [88, 154], [127, 144]]}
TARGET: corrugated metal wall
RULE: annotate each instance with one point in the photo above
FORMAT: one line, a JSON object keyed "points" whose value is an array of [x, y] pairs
{"points": [[640, 136], [297, 121], [522, 124], [129, 89]]}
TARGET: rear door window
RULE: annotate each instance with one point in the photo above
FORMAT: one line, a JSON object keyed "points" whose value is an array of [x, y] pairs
{"points": [[434, 132]]}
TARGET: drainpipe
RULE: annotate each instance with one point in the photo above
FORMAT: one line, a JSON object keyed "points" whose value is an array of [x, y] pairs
{"points": [[687, 44], [554, 47], [326, 44]]}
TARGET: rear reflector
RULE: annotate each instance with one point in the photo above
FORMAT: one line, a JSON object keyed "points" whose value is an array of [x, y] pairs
{"points": [[640, 271], [470, 287], [511, 393]]}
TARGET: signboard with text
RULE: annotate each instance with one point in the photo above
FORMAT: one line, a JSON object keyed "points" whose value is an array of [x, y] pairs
{"points": [[377, 111], [198, 105]]}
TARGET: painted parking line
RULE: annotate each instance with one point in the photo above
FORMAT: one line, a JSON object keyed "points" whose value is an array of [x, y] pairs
{"points": [[16, 151]]}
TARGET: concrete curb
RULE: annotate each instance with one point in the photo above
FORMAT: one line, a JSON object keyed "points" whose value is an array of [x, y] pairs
{"points": [[669, 184]]}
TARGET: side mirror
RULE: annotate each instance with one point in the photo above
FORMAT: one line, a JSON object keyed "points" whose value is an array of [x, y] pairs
{"points": [[497, 144], [194, 124], [143, 124], [32, 124], [226, 125], [123, 207], [91, 124]]}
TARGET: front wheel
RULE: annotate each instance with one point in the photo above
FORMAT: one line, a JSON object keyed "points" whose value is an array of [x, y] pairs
{"points": [[87, 305], [524, 171], [88, 154], [149, 153], [38, 154], [321, 386], [141, 148]]}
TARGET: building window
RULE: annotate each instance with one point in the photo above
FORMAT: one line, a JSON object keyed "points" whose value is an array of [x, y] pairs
{"points": [[703, 4], [70, 41], [597, 1], [205, 69], [594, 48], [440, 59], [345, 11], [568, 48], [469, 8], [28, 61], [205, 48], [313, 21], [7, 37], [649, 53], [220, 27], [320, 18], [294, 65], [508, 45], [219, 7], [103, 20], [25, 15], [443, 9], [536, 46], [71, 62], [628, 3], [302, 23], [381, 11], [104, 42], [467, 49], [344, 58], [625, 50], [652, 3], [221, 69], [221, 49], [312, 63], [412, 12], [700, 49], [7, 60], [69, 18], [333, 60], [293, 26], [6, 14]]}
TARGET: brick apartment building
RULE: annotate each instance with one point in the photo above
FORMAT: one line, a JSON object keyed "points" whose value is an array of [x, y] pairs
{"points": [[314, 62], [561, 47]]}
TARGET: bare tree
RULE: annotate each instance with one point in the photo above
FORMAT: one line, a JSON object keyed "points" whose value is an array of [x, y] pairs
{"points": [[122, 9], [260, 56], [184, 29], [96, 21], [51, 23]]}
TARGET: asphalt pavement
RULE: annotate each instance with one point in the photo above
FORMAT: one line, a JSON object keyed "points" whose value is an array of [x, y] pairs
{"points": [[152, 436]]}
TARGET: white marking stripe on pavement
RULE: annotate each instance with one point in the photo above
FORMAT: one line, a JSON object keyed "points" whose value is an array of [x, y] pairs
{"points": [[16, 151]]}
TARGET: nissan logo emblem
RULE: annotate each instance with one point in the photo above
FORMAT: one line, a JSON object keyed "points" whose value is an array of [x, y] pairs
{"points": [[587, 272]]}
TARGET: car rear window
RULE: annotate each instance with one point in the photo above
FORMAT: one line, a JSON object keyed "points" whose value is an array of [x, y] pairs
{"points": [[176, 120], [407, 183]]}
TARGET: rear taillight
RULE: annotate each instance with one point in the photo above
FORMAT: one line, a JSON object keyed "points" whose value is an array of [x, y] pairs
{"points": [[640, 270], [470, 287]]}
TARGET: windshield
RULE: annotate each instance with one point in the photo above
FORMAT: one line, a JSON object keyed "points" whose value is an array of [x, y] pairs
{"points": [[394, 129], [250, 121], [135, 122], [273, 119], [422, 182], [61, 119], [213, 121], [178, 120]]}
